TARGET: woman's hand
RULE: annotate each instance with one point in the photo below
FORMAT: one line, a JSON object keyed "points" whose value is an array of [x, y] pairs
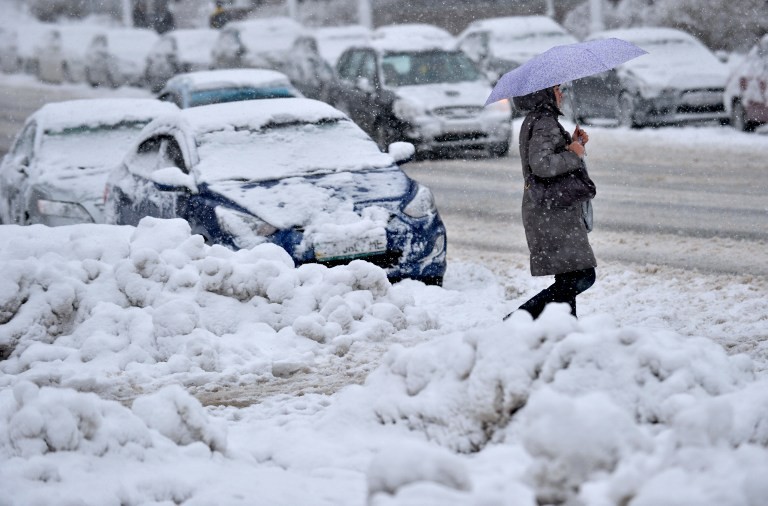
{"points": [[577, 148], [580, 135]]}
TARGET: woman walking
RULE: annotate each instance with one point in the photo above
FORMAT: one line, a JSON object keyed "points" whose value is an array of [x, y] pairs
{"points": [[556, 236]]}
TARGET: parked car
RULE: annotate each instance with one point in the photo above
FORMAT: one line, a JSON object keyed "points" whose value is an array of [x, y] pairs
{"points": [[679, 80], [218, 86], [61, 56], [270, 171], [334, 40], [498, 45], [18, 53], [746, 91], [278, 44], [118, 56], [177, 52], [56, 169], [420, 91]]}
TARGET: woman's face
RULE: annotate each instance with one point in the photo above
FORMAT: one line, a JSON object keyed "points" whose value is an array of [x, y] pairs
{"points": [[558, 95]]}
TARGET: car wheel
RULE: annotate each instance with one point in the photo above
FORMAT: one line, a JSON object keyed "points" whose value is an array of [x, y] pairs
{"points": [[500, 149], [382, 135], [626, 112], [739, 118]]}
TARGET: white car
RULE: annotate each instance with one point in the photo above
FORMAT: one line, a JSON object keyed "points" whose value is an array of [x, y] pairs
{"points": [[679, 80], [19, 47], [414, 34], [277, 43], [179, 51], [498, 45], [57, 167], [746, 92], [61, 56], [194, 89], [419, 90], [334, 40], [118, 56]]}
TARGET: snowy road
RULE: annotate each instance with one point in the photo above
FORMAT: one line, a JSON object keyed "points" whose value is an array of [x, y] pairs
{"points": [[690, 198]]}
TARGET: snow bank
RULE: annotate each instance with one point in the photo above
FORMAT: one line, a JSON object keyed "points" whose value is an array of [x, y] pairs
{"points": [[154, 305]]}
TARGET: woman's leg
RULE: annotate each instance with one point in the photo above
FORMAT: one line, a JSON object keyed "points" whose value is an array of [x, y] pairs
{"points": [[565, 289]]}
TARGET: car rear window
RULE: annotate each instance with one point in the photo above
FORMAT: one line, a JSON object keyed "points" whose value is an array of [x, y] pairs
{"points": [[222, 95]]}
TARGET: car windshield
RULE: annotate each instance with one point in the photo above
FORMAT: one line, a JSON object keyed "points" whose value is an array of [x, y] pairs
{"points": [[221, 95], [87, 146], [517, 38], [427, 67], [284, 150]]}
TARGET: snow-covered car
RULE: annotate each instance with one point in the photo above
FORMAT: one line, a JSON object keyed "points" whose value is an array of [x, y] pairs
{"points": [[746, 91], [19, 47], [118, 57], [61, 56], [498, 45], [679, 80], [207, 87], [56, 169], [277, 43], [334, 40], [421, 91], [271, 171], [179, 51]]}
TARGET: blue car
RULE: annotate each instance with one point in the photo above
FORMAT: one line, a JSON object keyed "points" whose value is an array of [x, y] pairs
{"points": [[295, 172], [207, 87]]}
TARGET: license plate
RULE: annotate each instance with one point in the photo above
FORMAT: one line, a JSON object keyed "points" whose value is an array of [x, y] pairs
{"points": [[455, 127], [352, 247]]}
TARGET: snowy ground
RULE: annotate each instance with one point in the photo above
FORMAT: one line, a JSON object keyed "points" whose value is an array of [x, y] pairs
{"points": [[140, 366]]}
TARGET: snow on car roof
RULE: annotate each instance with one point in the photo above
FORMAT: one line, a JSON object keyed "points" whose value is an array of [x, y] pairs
{"points": [[194, 44], [517, 24], [255, 114], [131, 43], [268, 34], [333, 40], [645, 34], [412, 37], [210, 79], [57, 116]]}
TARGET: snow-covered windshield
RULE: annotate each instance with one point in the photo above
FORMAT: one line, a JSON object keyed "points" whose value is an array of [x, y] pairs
{"points": [[427, 67], [517, 38], [283, 150], [87, 146]]}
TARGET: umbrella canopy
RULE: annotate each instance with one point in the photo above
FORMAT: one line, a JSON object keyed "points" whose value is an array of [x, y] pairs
{"points": [[564, 63]]}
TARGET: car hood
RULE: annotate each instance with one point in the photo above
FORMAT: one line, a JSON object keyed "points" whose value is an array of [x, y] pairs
{"points": [[307, 201], [434, 96], [679, 71]]}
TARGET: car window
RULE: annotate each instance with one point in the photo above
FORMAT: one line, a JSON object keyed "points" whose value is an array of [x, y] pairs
{"points": [[428, 67], [171, 97], [222, 95], [23, 146], [171, 154], [349, 66]]}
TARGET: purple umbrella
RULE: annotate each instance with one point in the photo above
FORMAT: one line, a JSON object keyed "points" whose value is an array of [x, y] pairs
{"points": [[564, 63]]}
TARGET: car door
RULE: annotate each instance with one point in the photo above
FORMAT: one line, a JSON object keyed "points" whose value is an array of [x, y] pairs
{"points": [[14, 176]]}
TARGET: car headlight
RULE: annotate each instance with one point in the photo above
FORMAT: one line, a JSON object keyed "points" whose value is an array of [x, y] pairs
{"points": [[500, 108], [246, 230], [69, 210], [408, 109], [422, 204]]}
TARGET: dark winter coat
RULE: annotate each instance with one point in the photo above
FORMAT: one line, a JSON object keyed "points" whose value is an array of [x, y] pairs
{"points": [[557, 237]]}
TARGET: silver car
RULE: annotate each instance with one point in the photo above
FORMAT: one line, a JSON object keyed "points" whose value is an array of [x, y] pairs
{"points": [[179, 51], [57, 167]]}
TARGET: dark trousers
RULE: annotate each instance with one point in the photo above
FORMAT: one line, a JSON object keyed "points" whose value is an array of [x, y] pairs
{"points": [[565, 289]]}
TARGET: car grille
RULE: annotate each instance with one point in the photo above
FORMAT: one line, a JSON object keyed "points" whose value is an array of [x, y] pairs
{"points": [[386, 259], [458, 112], [460, 136]]}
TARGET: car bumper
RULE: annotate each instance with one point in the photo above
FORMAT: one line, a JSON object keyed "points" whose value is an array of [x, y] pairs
{"points": [[685, 107], [476, 133]]}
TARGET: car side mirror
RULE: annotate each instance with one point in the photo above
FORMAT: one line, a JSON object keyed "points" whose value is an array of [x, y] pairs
{"points": [[172, 179], [363, 83], [402, 152]]}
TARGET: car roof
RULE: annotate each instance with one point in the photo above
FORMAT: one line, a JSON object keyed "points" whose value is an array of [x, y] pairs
{"points": [[255, 114], [100, 111], [516, 24], [412, 37], [227, 78], [645, 33], [268, 34]]}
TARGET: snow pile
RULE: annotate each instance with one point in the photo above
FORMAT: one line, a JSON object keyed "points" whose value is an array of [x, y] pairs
{"points": [[155, 304], [608, 414]]}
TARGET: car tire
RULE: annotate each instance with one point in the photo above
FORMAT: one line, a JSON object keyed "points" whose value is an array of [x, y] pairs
{"points": [[626, 111], [499, 150], [739, 118], [382, 135]]}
